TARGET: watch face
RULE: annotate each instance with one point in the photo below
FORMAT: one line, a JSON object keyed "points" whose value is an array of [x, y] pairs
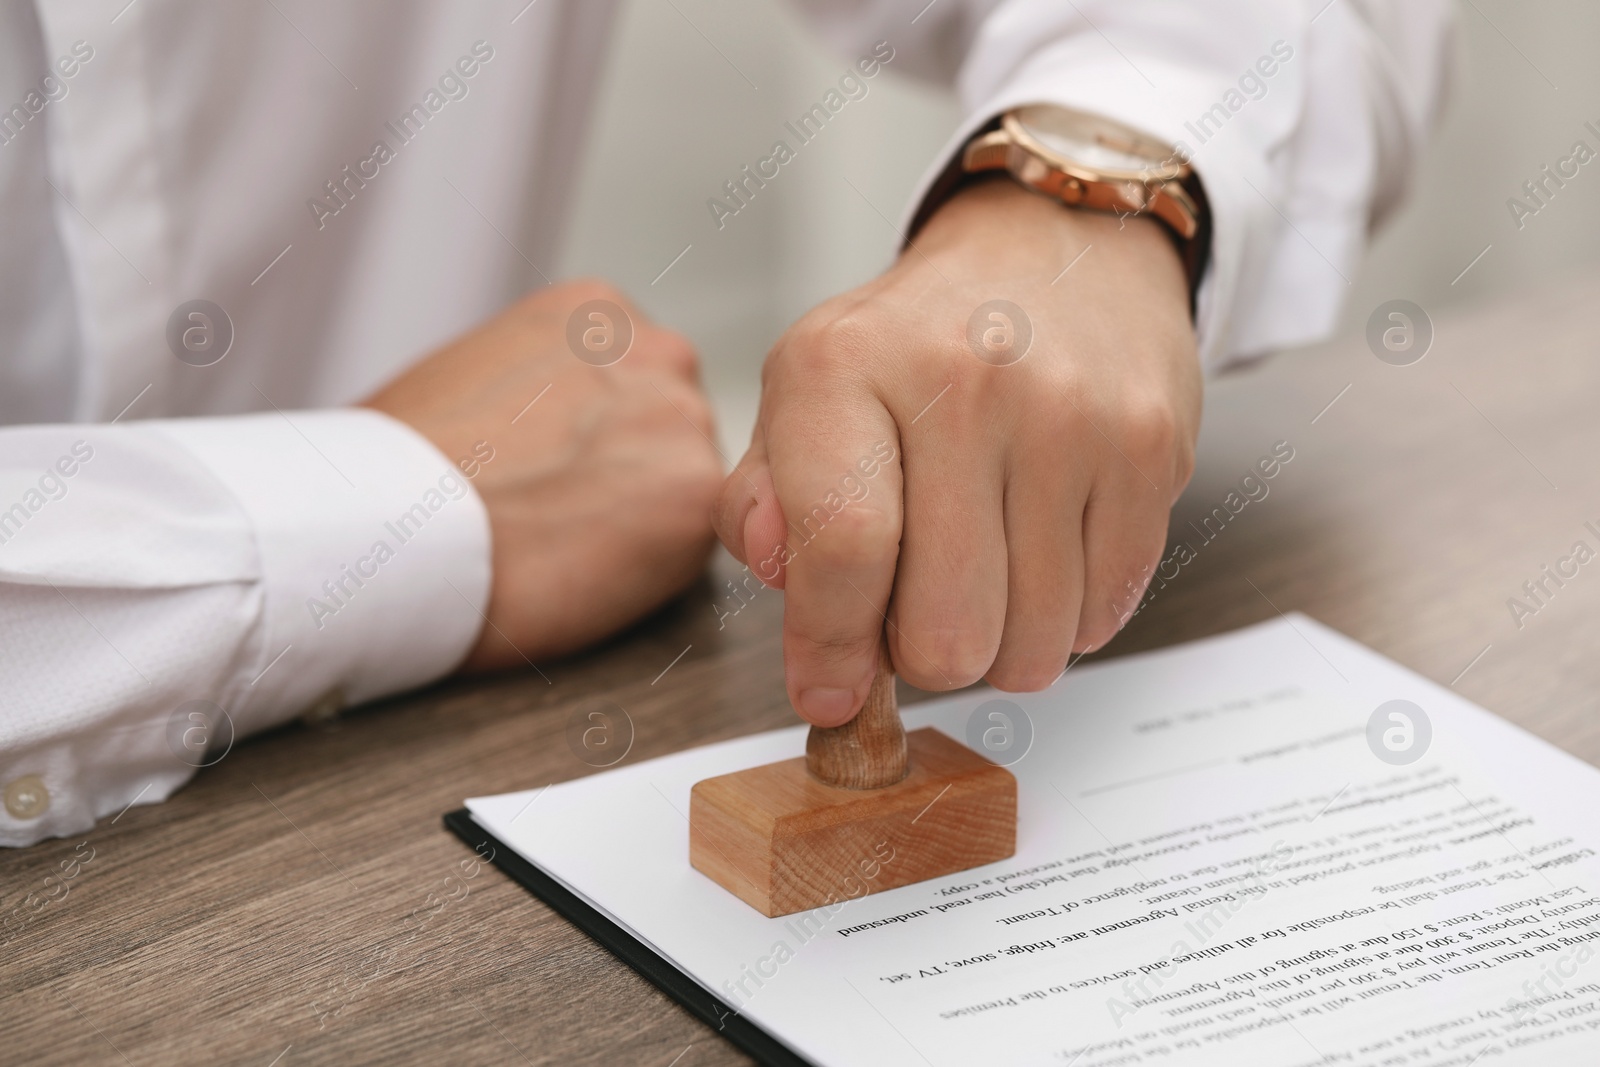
{"points": [[1099, 144]]}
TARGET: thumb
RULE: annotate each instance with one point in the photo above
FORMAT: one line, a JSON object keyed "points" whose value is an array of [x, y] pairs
{"points": [[749, 519]]}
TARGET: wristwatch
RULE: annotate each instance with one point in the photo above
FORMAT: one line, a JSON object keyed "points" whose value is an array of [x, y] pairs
{"points": [[1089, 161]]}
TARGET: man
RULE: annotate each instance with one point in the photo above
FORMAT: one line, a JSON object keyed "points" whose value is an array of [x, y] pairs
{"points": [[238, 483]]}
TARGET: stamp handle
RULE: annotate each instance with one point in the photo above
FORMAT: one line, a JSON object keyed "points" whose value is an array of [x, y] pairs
{"points": [[869, 751]]}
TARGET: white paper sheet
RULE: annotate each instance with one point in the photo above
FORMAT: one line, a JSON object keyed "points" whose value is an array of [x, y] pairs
{"points": [[1213, 867]]}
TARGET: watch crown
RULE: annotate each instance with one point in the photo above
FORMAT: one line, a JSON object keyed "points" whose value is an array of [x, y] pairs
{"points": [[989, 152]]}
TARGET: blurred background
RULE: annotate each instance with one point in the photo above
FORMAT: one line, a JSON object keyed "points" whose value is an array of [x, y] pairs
{"points": [[695, 89]]}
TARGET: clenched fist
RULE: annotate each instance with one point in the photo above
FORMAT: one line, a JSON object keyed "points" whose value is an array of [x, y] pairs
{"points": [[603, 473], [1027, 427]]}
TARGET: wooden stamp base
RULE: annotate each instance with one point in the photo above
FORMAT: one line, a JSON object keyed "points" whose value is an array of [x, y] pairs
{"points": [[784, 842]]}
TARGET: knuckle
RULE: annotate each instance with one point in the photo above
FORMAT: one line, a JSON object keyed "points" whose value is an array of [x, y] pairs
{"points": [[940, 658], [834, 648], [552, 306], [1151, 429], [856, 538], [701, 481], [835, 345], [682, 352], [659, 346], [582, 290], [836, 645], [728, 504], [702, 478], [1182, 468]]}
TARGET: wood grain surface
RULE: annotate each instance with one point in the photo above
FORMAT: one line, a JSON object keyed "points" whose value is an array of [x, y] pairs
{"points": [[300, 903], [784, 842], [869, 751]]}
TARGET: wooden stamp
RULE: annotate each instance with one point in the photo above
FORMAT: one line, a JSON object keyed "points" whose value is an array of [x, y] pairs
{"points": [[868, 808]]}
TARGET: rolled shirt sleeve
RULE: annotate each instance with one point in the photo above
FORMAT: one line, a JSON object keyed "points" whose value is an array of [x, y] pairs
{"points": [[1303, 120], [173, 585]]}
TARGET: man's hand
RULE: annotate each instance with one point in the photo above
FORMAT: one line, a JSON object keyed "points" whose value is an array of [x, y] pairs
{"points": [[602, 477], [1025, 505]]}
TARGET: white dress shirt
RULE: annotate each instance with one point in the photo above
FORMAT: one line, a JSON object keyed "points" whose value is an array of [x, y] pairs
{"points": [[190, 553]]}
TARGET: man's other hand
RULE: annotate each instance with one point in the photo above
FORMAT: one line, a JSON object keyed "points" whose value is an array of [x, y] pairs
{"points": [[602, 473], [1037, 446]]}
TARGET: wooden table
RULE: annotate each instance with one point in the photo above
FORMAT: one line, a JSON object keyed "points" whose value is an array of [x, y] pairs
{"points": [[299, 902]]}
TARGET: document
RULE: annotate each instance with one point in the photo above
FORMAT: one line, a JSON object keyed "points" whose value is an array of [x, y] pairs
{"points": [[1270, 847]]}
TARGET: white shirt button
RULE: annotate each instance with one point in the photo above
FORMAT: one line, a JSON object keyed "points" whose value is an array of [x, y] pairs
{"points": [[26, 797]]}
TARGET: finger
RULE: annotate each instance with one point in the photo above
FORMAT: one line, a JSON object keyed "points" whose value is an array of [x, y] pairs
{"points": [[748, 518], [950, 591], [657, 348], [1124, 530], [832, 451], [606, 330], [1045, 566]]}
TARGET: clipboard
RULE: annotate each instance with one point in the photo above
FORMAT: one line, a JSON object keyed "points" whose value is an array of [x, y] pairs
{"points": [[740, 1031], [1267, 734]]}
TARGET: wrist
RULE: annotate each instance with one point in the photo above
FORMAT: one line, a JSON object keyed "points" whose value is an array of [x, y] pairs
{"points": [[993, 229]]}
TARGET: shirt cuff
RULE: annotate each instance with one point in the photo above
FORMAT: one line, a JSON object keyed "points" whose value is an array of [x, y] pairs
{"points": [[374, 553], [1249, 202]]}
